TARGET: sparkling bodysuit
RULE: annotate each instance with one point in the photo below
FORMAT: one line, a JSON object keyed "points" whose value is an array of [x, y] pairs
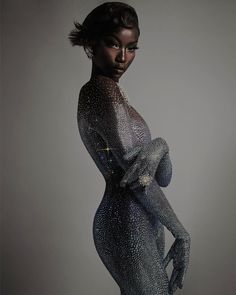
{"points": [[128, 226]]}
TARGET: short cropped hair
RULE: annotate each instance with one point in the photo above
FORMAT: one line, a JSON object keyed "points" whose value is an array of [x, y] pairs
{"points": [[104, 19]]}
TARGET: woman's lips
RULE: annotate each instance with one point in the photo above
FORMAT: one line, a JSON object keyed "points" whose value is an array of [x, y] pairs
{"points": [[119, 70]]}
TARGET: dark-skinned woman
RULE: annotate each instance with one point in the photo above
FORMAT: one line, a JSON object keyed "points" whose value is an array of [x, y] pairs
{"points": [[128, 227]]}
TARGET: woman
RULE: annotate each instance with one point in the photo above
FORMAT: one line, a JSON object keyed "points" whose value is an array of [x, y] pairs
{"points": [[128, 227]]}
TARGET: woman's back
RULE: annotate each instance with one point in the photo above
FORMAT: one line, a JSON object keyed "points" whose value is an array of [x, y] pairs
{"points": [[108, 125]]}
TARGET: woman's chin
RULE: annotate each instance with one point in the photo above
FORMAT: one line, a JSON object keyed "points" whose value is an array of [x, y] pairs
{"points": [[116, 77]]}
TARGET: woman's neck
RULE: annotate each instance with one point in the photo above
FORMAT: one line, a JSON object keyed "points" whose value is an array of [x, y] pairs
{"points": [[96, 71]]}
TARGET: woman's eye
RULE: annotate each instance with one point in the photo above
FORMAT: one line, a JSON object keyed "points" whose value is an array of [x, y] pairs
{"points": [[116, 46], [133, 48], [111, 44]]}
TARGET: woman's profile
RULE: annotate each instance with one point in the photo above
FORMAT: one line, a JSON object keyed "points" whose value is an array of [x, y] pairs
{"points": [[128, 226]]}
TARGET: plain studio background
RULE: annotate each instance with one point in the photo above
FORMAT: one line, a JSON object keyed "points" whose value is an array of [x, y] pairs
{"points": [[182, 82]]}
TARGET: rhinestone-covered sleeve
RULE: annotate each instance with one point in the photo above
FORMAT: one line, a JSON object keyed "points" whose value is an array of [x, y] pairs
{"points": [[164, 171], [108, 115]]}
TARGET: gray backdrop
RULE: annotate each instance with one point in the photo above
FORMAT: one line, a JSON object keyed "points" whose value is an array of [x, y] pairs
{"points": [[183, 84], [1, 137]]}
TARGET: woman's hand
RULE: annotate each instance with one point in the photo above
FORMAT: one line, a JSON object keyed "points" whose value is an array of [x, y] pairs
{"points": [[179, 252], [145, 165]]}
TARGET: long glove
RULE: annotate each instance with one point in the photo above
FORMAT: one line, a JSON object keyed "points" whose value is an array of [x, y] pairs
{"points": [[179, 252]]}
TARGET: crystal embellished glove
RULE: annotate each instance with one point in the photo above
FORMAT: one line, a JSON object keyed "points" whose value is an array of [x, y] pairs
{"points": [[148, 157], [179, 252]]}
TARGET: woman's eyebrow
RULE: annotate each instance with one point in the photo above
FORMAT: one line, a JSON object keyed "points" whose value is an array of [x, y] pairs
{"points": [[133, 42], [117, 39]]}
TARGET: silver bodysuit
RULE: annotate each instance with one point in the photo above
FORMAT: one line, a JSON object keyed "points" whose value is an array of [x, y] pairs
{"points": [[128, 227]]}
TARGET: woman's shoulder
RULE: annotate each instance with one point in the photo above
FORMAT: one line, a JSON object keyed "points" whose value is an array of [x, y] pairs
{"points": [[102, 81], [98, 95], [101, 86]]}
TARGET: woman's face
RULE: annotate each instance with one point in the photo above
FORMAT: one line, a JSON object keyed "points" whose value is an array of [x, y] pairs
{"points": [[115, 52]]}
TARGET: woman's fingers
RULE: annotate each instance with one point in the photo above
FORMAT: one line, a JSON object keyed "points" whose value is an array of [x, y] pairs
{"points": [[170, 254], [143, 169], [172, 283], [176, 253], [132, 153], [133, 173], [149, 169], [177, 283], [181, 278], [167, 259], [129, 175], [174, 287]]}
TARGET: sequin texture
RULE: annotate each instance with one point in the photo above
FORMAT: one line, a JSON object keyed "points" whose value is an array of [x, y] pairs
{"points": [[128, 227]]}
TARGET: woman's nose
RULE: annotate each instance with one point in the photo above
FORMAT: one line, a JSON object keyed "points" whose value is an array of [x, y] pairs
{"points": [[121, 57]]}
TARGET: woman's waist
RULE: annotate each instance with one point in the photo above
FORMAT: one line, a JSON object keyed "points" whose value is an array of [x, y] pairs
{"points": [[113, 179], [121, 211]]}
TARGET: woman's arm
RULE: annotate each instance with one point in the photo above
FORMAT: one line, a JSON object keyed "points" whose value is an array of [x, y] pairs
{"points": [[147, 158], [107, 114], [164, 171], [155, 202], [109, 117]]}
